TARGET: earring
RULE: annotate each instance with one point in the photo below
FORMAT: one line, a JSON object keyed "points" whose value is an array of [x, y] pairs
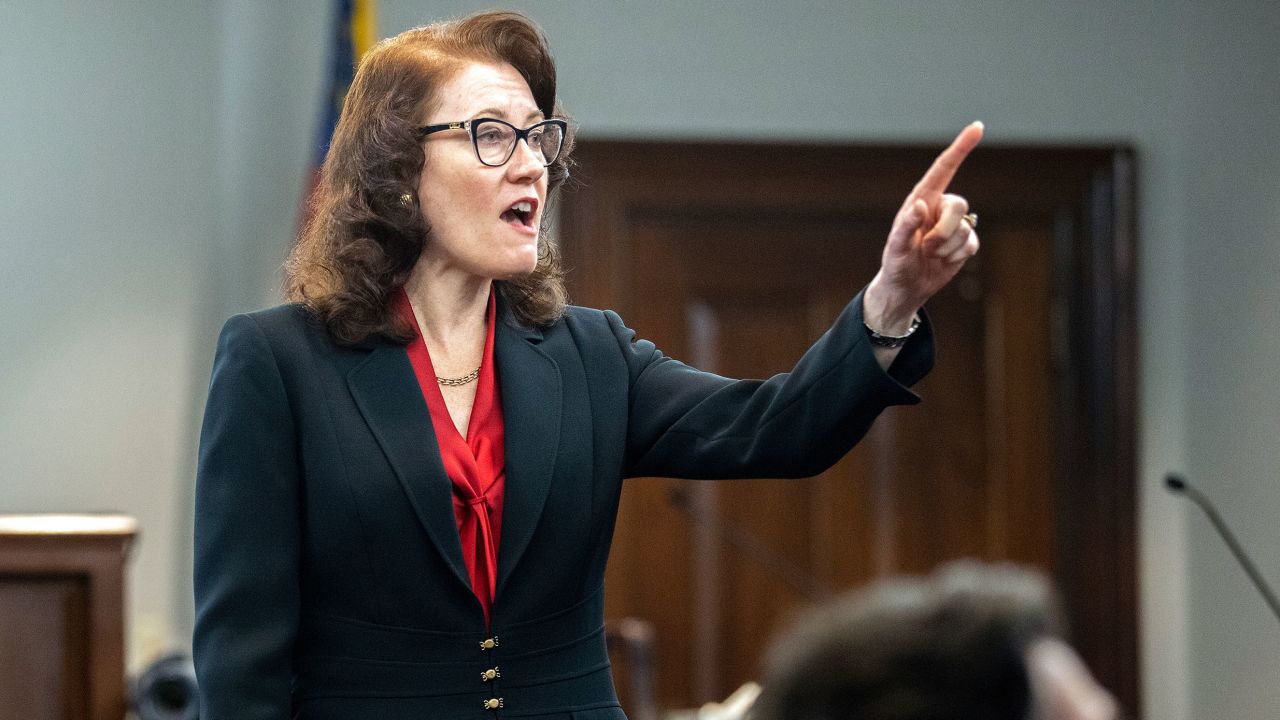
{"points": [[406, 199]]}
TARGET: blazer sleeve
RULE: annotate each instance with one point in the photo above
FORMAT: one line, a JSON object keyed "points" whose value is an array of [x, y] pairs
{"points": [[686, 423], [246, 534]]}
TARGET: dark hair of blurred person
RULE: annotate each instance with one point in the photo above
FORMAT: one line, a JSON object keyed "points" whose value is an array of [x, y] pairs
{"points": [[970, 642]]}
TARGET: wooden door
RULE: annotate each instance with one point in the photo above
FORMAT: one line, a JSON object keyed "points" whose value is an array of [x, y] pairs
{"points": [[735, 258]]}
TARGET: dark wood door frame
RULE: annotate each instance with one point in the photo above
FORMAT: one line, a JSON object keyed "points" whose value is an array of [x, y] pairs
{"points": [[1088, 195]]}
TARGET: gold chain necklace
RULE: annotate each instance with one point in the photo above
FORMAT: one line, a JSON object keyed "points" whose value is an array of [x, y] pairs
{"points": [[459, 381]]}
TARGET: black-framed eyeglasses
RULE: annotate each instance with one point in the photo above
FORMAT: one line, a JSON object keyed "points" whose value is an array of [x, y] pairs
{"points": [[495, 140]]}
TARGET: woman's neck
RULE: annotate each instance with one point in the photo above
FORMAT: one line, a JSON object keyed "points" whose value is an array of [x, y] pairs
{"points": [[450, 308]]}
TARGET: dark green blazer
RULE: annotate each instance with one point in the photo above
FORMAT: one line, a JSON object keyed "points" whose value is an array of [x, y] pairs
{"points": [[329, 576]]}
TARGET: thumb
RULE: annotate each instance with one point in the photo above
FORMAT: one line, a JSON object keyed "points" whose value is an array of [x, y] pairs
{"points": [[906, 226]]}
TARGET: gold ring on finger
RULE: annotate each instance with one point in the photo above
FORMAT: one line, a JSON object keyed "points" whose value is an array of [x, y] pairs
{"points": [[972, 219]]}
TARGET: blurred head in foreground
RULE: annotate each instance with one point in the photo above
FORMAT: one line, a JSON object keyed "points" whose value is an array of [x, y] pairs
{"points": [[970, 642]]}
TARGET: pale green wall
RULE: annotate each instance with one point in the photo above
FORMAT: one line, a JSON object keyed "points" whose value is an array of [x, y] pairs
{"points": [[108, 217], [153, 155]]}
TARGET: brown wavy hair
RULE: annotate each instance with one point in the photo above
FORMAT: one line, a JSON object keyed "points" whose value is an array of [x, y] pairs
{"points": [[366, 229]]}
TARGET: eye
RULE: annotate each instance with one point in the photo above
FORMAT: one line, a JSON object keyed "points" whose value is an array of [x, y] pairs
{"points": [[490, 135]]}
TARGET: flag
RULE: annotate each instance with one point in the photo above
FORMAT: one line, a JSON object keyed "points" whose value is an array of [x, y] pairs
{"points": [[352, 34]]}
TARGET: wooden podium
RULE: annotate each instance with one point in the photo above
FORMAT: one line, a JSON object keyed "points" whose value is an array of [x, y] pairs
{"points": [[62, 616]]}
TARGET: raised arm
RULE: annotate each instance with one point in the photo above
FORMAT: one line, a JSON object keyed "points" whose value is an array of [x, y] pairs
{"points": [[691, 424], [687, 423]]}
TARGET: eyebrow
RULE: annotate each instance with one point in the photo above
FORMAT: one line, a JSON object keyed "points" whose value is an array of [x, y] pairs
{"points": [[495, 112]]}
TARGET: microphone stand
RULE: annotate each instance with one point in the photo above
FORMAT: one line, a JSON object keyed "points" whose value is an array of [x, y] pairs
{"points": [[746, 543], [1178, 485]]}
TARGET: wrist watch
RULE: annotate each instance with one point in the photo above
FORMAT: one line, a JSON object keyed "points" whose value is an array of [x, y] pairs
{"points": [[891, 341]]}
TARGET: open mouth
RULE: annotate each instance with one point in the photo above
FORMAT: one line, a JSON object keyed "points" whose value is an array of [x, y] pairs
{"points": [[520, 214]]}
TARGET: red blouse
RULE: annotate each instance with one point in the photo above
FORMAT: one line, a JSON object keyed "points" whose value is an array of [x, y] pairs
{"points": [[475, 464]]}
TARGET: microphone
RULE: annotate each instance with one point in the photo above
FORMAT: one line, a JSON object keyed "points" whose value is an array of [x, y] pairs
{"points": [[1179, 486], [166, 690]]}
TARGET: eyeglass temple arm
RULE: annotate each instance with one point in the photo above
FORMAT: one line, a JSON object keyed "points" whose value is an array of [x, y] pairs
{"points": [[428, 129]]}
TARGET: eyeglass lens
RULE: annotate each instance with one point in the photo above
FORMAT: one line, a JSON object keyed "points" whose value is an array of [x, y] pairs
{"points": [[496, 141]]}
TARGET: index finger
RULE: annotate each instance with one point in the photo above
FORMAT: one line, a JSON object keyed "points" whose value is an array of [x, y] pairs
{"points": [[938, 176]]}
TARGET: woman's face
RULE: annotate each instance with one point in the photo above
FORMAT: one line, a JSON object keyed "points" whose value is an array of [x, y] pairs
{"points": [[468, 205]]}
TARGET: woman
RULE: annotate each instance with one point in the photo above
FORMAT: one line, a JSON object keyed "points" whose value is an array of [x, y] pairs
{"points": [[409, 477]]}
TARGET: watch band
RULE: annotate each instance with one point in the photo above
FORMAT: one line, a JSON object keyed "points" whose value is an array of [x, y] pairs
{"points": [[891, 341]]}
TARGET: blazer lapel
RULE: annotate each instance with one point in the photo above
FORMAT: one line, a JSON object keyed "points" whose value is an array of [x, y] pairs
{"points": [[387, 393], [530, 386]]}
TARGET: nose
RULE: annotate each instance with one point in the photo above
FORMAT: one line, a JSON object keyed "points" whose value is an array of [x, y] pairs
{"points": [[525, 164]]}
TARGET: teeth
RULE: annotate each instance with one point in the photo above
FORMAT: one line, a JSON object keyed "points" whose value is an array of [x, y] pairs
{"points": [[523, 206]]}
